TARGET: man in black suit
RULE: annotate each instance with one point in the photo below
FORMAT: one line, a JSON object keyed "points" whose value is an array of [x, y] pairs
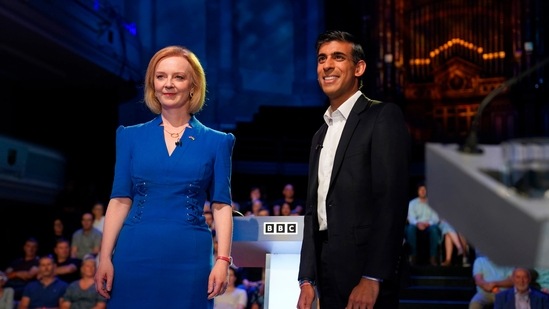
{"points": [[357, 198]]}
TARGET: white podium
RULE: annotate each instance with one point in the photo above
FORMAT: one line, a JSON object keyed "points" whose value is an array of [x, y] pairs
{"points": [[464, 189], [272, 242]]}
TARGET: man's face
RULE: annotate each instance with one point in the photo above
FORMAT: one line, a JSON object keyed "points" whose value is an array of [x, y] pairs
{"points": [[422, 192], [288, 191], [87, 221], [521, 279], [30, 248], [337, 73], [62, 250], [46, 267]]}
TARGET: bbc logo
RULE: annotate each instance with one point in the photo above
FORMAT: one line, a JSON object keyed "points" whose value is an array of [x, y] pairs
{"points": [[279, 228]]}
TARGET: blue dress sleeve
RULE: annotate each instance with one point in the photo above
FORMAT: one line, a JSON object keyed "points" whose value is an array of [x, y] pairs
{"points": [[220, 191], [122, 183]]}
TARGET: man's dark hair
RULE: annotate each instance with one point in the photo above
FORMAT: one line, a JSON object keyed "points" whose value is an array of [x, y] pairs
{"points": [[342, 36]]}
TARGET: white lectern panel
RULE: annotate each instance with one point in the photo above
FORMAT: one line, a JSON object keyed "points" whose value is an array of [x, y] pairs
{"points": [[281, 288], [272, 242]]}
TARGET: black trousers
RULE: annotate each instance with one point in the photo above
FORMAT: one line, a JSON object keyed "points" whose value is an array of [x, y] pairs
{"points": [[331, 296]]}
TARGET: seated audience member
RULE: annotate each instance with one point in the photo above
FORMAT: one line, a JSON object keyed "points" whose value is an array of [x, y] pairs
{"points": [[236, 206], [86, 240], [521, 296], [45, 292], [215, 245], [208, 215], [285, 209], [234, 297], [23, 270], [207, 206], [67, 268], [81, 294], [489, 280], [98, 211], [263, 212], [257, 298], [257, 206], [256, 294], [452, 238], [47, 243], [6, 294], [422, 219], [288, 196], [255, 195], [253, 281]]}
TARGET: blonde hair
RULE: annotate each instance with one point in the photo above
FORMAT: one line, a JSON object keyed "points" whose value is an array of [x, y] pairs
{"points": [[198, 78]]}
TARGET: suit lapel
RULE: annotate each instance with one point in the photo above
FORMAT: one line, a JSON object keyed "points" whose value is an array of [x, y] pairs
{"points": [[360, 106], [314, 157]]}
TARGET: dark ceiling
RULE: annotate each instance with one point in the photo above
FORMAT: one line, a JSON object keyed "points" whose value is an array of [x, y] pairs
{"points": [[35, 48], [53, 95]]}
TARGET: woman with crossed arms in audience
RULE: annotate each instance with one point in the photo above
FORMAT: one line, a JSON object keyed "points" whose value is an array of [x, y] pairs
{"points": [[81, 293]]}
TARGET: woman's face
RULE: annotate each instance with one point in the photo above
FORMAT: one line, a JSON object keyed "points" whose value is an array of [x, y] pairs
{"points": [[87, 269], [58, 227], [172, 82], [285, 209], [256, 206], [98, 211], [255, 194]]}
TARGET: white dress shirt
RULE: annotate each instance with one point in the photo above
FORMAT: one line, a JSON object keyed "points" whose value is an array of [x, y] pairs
{"points": [[336, 122], [522, 300]]}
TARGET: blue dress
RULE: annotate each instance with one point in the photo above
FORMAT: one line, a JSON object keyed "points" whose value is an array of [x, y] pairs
{"points": [[164, 252]]}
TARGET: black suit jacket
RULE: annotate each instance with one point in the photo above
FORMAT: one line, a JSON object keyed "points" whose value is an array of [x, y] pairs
{"points": [[506, 299], [367, 200]]}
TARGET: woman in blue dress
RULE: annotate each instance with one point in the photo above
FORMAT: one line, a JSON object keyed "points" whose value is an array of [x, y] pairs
{"points": [[157, 250]]}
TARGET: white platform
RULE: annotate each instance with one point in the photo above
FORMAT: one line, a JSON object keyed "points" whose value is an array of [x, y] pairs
{"points": [[251, 243], [510, 229], [255, 244]]}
